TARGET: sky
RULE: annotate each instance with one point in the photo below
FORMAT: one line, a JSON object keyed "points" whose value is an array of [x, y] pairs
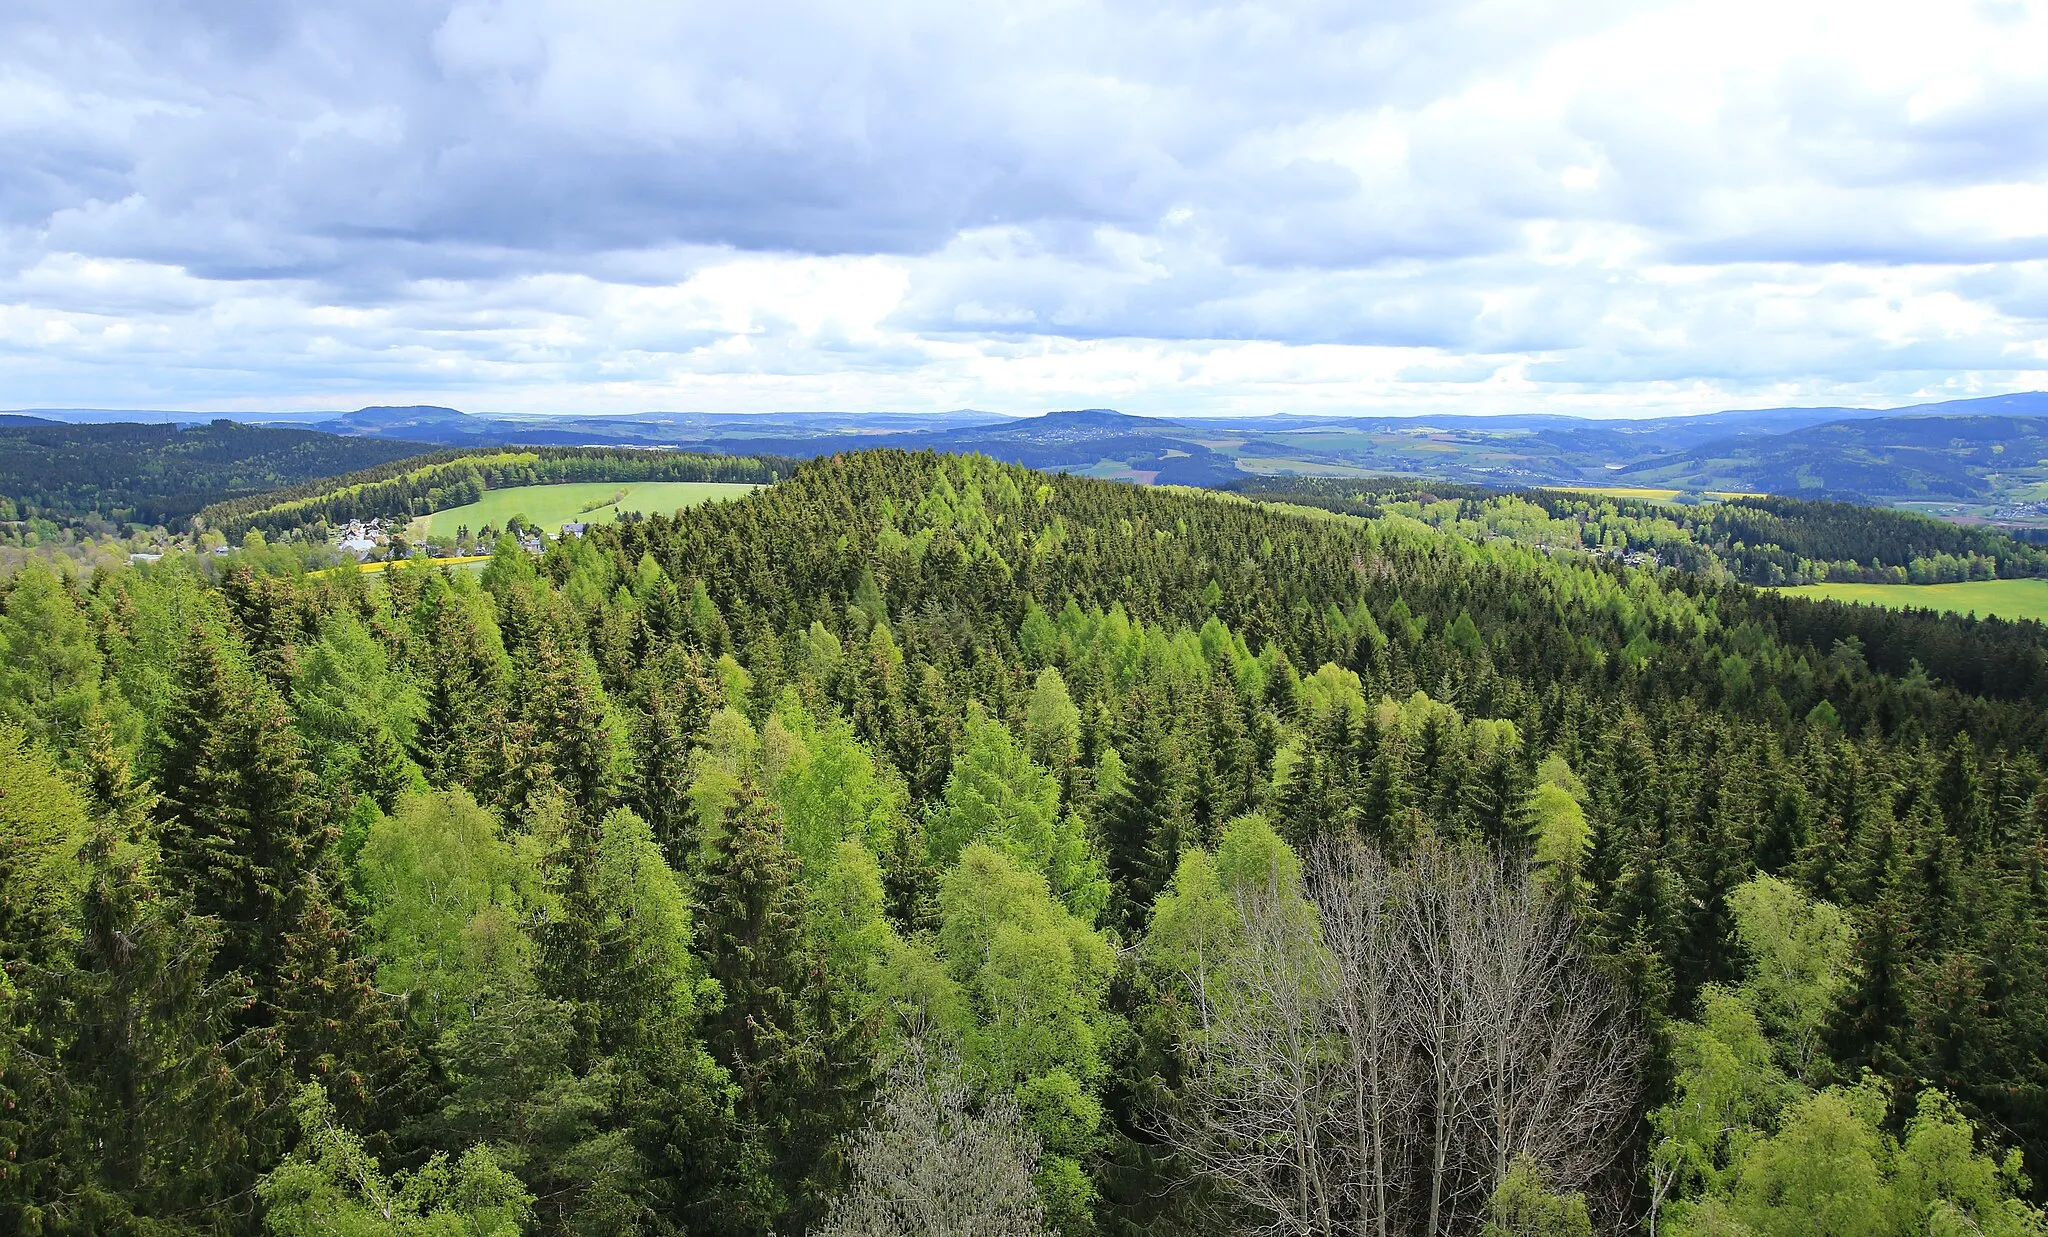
{"points": [[1374, 206]]}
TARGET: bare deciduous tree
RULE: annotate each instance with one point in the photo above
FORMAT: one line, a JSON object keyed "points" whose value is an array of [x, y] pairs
{"points": [[1376, 1056], [1354, 892], [930, 1162], [1257, 1112]]}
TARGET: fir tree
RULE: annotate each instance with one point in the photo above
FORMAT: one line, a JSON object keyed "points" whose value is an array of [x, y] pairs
{"points": [[1497, 802]]}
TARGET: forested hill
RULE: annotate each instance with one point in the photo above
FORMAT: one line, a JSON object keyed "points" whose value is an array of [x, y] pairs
{"points": [[1051, 854], [162, 474], [1763, 539], [428, 483]]}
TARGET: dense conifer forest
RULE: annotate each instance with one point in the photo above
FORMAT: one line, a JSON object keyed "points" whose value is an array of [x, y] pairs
{"points": [[1764, 539], [927, 845], [162, 474]]}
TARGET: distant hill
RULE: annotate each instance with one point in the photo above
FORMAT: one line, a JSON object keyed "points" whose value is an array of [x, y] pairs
{"points": [[162, 474], [1962, 458], [1984, 454]]}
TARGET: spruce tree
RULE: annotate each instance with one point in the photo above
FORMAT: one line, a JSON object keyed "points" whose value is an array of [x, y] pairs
{"points": [[1146, 823], [457, 740], [796, 1060], [1497, 802], [152, 1105], [337, 1027], [677, 699], [239, 824], [563, 737]]}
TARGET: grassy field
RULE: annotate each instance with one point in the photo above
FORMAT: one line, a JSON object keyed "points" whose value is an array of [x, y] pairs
{"points": [[2009, 599], [550, 506]]}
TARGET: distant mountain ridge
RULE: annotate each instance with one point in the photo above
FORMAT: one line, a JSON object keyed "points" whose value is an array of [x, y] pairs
{"points": [[1979, 451]]}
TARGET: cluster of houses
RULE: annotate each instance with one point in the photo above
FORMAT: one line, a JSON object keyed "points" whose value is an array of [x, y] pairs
{"points": [[361, 538], [1629, 558], [531, 542], [364, 538]]}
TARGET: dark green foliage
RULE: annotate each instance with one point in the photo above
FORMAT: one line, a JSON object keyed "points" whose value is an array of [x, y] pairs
{"points": [[162, 474], [1760, 540], [238, 822], [138, 1099], [795, 1056]]}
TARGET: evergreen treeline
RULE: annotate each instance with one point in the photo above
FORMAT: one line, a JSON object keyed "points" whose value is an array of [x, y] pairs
{"points": [[162, 474], [1765, 540], [435, 482], [1157, 863]]}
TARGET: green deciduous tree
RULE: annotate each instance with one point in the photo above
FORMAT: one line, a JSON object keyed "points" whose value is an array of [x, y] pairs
{"points": [[332, 1187]]}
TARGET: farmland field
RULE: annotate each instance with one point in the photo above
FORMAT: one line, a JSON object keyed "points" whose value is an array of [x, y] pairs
{"points": [[550, 506], [2009, 599]]}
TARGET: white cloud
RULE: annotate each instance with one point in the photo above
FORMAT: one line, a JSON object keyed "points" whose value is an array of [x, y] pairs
{"points": [[1481, 205]]}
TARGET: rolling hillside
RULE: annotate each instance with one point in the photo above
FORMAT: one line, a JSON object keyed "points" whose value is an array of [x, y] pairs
{"points": [[161, 474], [1962, 458]]}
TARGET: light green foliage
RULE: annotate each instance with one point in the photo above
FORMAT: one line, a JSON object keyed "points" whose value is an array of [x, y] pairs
{"points": [[1525, 1205], [995, 793], [1034, 977], [725, 753], [332, 1187], [822, 652], [732, 677], [828, 786], [1942, 1183], [43, 823], [1728, 1089], [1035, 974], [998, 795], [1332, 687], [1252, 858], [1037, 638], [49, 664], [1052, 723], [1821, 1172], [1561, 828], [1745, 1148], [645, 904], [1798, 953], [1195, 922], [449, 896], [921, 998], [846, 907], [352, 705]]}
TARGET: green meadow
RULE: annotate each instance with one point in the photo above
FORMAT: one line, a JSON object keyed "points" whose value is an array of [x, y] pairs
{"points": [[2007, 599], [550, 506]]}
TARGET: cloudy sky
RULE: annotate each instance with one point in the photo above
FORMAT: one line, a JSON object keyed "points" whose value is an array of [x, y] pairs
{"points": [[1372, 205]]}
